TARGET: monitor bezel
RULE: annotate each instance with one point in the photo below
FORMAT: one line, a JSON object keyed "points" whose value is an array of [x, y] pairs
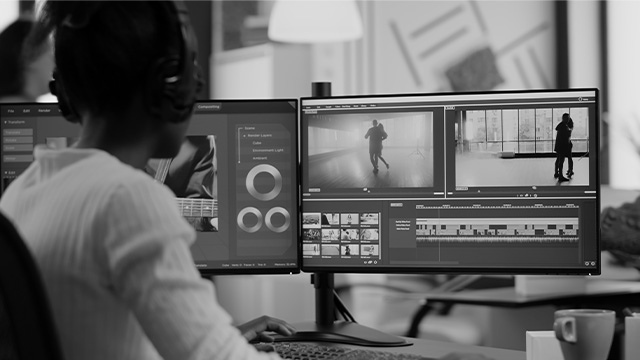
{"points": [[596, 270]]}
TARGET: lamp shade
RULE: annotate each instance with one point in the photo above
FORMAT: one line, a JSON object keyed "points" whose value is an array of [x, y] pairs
{"points": [[314, 21]]}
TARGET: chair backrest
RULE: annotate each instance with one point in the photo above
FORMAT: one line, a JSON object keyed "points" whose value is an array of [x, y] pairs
{"points": [[27, 330]]}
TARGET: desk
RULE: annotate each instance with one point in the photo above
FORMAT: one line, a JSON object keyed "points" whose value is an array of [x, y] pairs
{"points": [[602, 293], [613, 270], [512, 314], [436, 349]]}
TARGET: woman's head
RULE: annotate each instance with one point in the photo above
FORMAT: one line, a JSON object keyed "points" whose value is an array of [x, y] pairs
{"points": [[25, 71], [112, 56], [567, 119], [106, 51]]}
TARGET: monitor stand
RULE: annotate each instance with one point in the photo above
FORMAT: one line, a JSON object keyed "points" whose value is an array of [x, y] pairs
{"points": [[327, 329]]}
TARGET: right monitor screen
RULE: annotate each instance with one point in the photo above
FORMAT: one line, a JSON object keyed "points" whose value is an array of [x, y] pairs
{"points": [[484, 182]]}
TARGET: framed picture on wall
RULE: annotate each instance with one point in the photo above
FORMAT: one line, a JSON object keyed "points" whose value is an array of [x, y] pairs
{"points": [[461, 45]]}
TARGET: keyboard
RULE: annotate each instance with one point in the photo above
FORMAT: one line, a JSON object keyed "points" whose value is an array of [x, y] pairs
{"points": [[306, 351]]}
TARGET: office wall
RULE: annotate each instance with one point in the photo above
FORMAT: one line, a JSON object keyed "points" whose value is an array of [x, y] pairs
{"points": [[263, 71], [8, 13], [623, 60], [585, 48], [200, 16], [409, 46], [243, 73]]}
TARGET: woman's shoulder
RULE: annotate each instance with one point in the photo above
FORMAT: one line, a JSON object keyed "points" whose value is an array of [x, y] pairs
{"points": [[137, 183], [122, 181]]}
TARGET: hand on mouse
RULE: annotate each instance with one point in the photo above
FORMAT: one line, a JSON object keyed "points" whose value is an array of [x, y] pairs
{"points": [[254, 329]]}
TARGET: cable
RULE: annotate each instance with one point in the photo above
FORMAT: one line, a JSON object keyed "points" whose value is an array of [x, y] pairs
{"points": [[341, 308]]}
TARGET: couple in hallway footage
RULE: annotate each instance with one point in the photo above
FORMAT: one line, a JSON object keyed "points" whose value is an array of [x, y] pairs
{"points": [[376, 135], [563, 148]]}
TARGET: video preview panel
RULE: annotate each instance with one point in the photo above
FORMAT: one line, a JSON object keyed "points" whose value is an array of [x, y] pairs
{"points": [[368, 151], [234, 178], [512, 147]]}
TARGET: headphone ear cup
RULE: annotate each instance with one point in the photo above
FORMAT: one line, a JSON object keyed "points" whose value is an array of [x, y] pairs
{"points": [[57, 88], [171, 91], [162, 91], [175, 79], [154, 91]]}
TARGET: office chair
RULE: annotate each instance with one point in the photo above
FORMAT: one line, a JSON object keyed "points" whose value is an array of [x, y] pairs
{"points": [[27, 330]]}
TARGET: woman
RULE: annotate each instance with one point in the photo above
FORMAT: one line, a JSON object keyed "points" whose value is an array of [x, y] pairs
{"points": [[563, 147], [384, 136], [111, 244]]}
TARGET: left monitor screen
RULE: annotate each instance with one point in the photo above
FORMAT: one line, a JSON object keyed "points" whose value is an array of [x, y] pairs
{"points": [[235, 177]]}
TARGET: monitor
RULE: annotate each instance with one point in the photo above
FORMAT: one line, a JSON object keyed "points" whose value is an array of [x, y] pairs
{"points": [[450, 183], [235, 177]]}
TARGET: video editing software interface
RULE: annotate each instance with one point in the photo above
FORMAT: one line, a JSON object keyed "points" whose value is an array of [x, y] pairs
{"points": [[235, 177], [451, 182]]}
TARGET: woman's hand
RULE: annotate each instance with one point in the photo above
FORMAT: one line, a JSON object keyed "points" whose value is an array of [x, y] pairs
{"points": [[254, 329]]}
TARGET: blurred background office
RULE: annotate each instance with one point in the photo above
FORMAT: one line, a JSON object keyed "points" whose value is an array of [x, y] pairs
{"points": [[427, 46], [24, 75], [394, 46]]}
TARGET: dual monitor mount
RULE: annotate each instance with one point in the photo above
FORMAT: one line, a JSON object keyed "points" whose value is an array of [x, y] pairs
{"points": [[326, 328]]}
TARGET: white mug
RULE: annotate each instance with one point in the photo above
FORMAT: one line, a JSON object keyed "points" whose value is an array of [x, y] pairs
{"points": [[585, 334]]}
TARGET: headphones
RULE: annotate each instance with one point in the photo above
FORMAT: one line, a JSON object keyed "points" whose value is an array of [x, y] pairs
{"points": [[173, 81], [57, 89]]}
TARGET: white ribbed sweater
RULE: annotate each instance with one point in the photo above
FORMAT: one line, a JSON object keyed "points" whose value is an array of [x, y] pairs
{"points": [[114, 254]]}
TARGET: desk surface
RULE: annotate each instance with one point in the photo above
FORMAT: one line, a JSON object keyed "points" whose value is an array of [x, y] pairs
{"points": [[597, 291], [436, 349], [613, 270]]}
